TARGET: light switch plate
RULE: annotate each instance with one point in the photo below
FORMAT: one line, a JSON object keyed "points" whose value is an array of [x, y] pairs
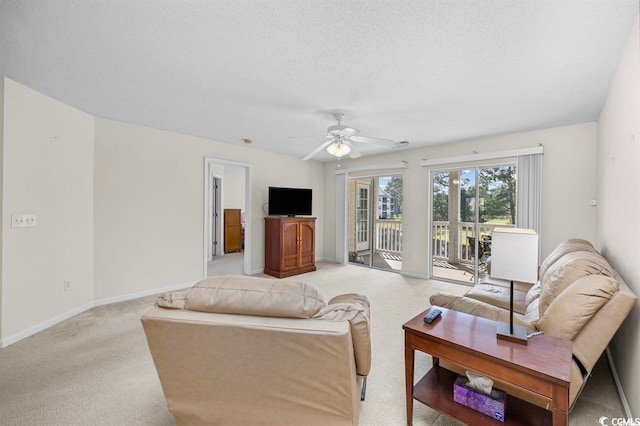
{"points": [[23, 220]]}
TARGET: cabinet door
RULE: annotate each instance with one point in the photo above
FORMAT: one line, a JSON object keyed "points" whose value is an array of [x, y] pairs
{"points": [[307, 244], [232, 217], [232, 231], [289, 256], [232, 238]]}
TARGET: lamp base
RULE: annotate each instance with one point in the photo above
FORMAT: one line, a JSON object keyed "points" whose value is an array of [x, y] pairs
{"points": [[519, 333]]}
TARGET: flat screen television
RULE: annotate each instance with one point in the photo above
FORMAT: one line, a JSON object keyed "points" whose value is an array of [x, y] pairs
{"points": [[289, 201]]}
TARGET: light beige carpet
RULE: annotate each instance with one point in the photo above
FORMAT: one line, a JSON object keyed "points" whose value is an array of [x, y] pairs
{"points": [[95, 368]]}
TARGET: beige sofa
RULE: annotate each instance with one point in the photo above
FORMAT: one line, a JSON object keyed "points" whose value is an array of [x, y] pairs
{"points": [[578, 297], [257, 351]]}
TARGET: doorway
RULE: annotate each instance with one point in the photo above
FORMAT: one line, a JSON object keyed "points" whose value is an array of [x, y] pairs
{"points": [[226, 189], [466, 205], [375, 222]]}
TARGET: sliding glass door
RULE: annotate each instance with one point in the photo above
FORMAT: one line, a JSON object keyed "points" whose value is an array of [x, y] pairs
{"points": [[375, 222], [466, 205]]}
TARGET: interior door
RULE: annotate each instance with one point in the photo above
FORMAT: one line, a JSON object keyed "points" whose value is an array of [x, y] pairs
{"points": [[215, 217]]}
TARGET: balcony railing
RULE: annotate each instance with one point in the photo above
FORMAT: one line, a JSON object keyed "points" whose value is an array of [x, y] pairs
{"points": [[389, 235], [441, 238]]}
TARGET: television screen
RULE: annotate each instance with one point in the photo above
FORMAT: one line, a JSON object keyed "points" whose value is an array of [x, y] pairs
{"points": [[289, 201]]}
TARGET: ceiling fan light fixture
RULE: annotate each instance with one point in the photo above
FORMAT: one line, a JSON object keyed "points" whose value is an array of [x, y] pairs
{"points": [[338, 149]]}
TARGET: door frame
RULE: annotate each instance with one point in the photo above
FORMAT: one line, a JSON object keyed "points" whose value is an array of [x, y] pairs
{"points": [[207, 202], [342, 199], [371, 184]]}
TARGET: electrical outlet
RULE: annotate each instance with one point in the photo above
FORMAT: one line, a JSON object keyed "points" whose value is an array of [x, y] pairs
{"points": [[67, 285]]}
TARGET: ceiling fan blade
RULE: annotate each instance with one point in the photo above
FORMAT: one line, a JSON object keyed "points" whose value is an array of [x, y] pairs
{"points": [[374, 141], [318, 149], [354, 152], [309, 137]]}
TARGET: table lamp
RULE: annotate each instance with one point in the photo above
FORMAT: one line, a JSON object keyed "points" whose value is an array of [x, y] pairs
{"points": [[514, 257]]}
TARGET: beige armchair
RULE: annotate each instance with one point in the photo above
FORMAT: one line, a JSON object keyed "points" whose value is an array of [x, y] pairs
{"points": [[246, 350], [579, 297]]}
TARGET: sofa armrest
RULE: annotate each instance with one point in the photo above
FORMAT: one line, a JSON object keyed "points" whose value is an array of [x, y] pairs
{"points": [[478, 308], [355, 309]]}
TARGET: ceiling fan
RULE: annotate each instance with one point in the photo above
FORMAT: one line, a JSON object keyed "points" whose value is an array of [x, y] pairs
{"points": [[340, 138]]}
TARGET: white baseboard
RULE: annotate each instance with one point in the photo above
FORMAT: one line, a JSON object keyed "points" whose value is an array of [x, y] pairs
{"points": [[125, 297], [415, 275], [616, 379], [44, 325], [80, 309]]}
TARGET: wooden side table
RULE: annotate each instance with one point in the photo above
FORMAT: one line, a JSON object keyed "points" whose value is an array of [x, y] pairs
{"points": [[540, 370]]}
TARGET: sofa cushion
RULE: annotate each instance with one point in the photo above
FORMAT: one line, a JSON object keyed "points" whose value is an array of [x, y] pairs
{"points": [[477, 308], [568, 246], [566, 270], [532, 294], [571, 310], [532, 314], [241, 294], [498, 295]]}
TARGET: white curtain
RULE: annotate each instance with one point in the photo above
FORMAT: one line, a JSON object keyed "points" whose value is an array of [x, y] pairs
{"points": [[529, 202], [341, 218]]}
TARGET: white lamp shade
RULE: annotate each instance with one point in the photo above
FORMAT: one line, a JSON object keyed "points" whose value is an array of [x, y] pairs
{"points": [[514, 254]]}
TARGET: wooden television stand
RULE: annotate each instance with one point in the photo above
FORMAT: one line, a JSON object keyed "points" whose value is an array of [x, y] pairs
{"points": [[289, 245]]}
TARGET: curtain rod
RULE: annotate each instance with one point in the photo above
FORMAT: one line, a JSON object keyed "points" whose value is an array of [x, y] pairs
{"points": [[483, 156]]}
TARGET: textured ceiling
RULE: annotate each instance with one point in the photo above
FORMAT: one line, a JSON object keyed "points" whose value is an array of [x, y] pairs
{"points": [[424, 71]]}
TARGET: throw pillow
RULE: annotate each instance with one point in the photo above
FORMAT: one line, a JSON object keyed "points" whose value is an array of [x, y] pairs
{"points": [[241, 294], [571, 310]]}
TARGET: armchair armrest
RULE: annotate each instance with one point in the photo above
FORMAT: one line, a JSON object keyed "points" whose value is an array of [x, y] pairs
{"points": [[355, 309], [351, 298]]}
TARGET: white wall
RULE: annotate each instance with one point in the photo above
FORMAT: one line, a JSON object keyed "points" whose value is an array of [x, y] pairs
{"points": [[233, 193], [568, 186], [149, 204], [47, 171], [233, 188], [618, 234], [119, 208]]}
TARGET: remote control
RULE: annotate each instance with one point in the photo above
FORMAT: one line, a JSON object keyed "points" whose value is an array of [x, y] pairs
{"points": [[433, 314]]}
